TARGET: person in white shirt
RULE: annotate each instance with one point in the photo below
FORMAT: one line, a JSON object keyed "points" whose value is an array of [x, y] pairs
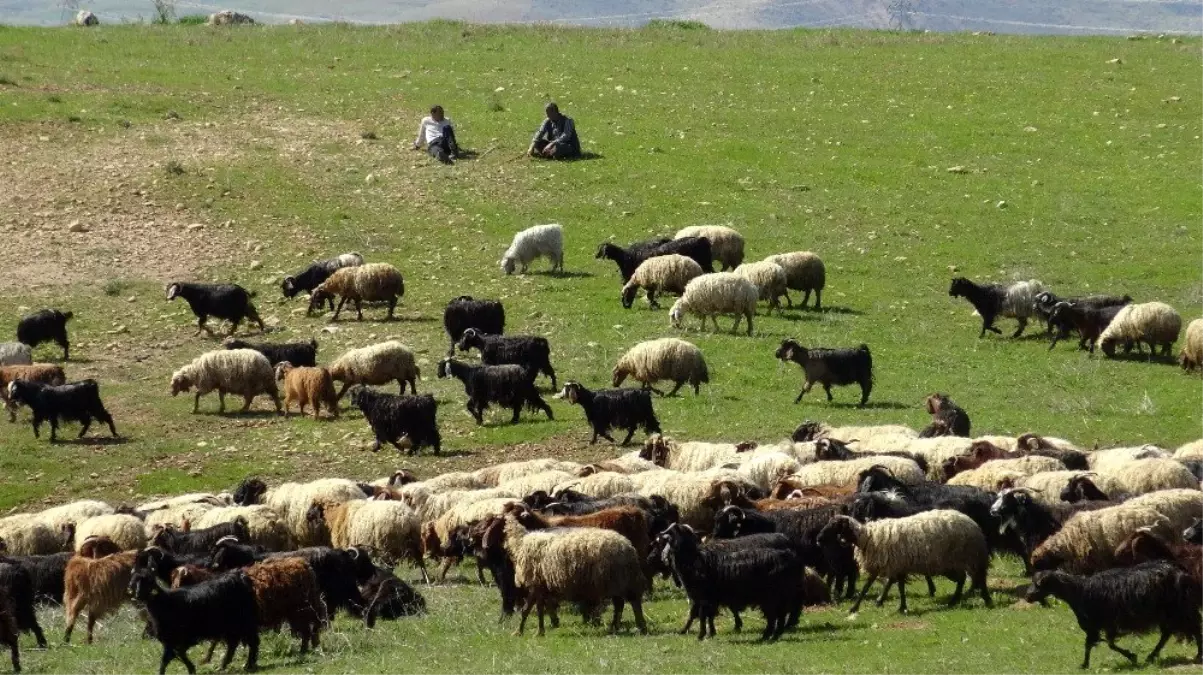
{"points": [[438, 134]]}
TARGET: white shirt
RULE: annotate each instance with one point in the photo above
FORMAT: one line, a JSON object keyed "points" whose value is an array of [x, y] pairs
{"points": [[430, 130]]}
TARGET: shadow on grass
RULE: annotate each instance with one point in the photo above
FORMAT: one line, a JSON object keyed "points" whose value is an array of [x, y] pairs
{"points": [[94, 440], [1139, 358], [236, 413], [871, 405], [557, 274]]}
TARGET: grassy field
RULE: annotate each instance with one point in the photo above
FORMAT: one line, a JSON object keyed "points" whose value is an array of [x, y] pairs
{"points": [[241, 155]]}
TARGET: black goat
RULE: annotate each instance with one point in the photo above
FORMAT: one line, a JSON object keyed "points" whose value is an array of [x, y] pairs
{"points": [[1060, 327], [508, 386], [1089, 320], [989, 300], [9, 631], [296, 353], [17, 583], [1153, 595], [608, 409], [529, 351], [388, 597], [162, 561], [222, 608], [311, 277], [1081, 488], [338, 571], [222, 301], [948, 418], [839, 367], [394, 417], [72, 402], [1031, 521], [45, 325], [464, 312], [200, 542], [629, 259]]}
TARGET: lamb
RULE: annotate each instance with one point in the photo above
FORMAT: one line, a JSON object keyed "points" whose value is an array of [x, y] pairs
{"points": [[243, 372], [664, 359], [727, 244], [394, 418], [375, 365], [1016, 301], [1132, 600], [540, 241], [629, 260], [660, 274], [509, 386], [223, 301], [297, 353], [46, 373], [1191, 355], [82, 18], [804, 271], [227, 17], [948, 418], [462, 313], [372, 282], [613, 408], [709, 295], [531, 352], [1087, 541], [15, 354], [95, 586], [311, 277], [1089, 320], [936, 542], [390, 529], [307, 386], [73, 402], [841, 366], [1154, 323], [45, 325]]}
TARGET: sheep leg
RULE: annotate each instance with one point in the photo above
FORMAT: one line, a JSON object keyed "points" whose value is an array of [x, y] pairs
{"points": [[62, 342], [447, 562], [200, 325], [739, 622], [1118, 649], [392, 305], [233, 327], [221, 401], [1023, 323], [246, 403], [863, 593], [805, 388], [637, 608], [827, 388], [885, 592], [72, 615], [54, 430], [651, 298], [1166, 632], [342, 391], [902, 595], [339, 308], [805, 298], [618, 606], [956, 595], [789, 303], [541, 609], [359, 310], [83, 429], [675, 389], [866, 387], [476, 414], [517, 411]]}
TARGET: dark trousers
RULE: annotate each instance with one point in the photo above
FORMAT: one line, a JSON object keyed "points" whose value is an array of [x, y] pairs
{"points": [[562, 151], [443, 148]]}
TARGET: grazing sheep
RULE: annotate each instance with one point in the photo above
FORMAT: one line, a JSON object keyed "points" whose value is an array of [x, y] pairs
{"points": [[297, 353], [1154, 323], [1132, 600], [307, 386], [311, 277], [727, 244], [126, 531], [394, 418], [664, 359], [462, 313], [265, 526], [508, 386], [540, 241], [227, 17], [529, 351], [948, 418], [1191, 356], [389, 529], [83, 18], [45, 325], [769, 279], [46, 373], [613, 408], [1016, 301], [629, 259], [840, 367], [376, 365], [72, 402], [1087, 541], [804, 271], [223, 301], [15, 354], [243, 372], [660, 274], [96, 587], [709, 295], [371, 282]]}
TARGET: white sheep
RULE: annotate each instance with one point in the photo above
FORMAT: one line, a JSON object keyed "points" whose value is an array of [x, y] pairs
{"points": [[1111, 458], [845, 473], [430, 505], [375, 365], [726, 245], [85, 18], [804, 271], [712, 294], [864, 435], [599, 484], [763, 469], [1181, 507], [373, 282], [492, 476], [265, 525], [769, 278], [243, 372], [1154, 323], [1191, 355], [27, 534], [630, 462], [540, 241], [660, 274], [664, 359], [74, 513], [126, 531], [293, 501], [1020, 299], [1086, 543], [175, 516], [544, 480], [697, 495], [1149, 475], [389, 529], [669, 453], [996, 474], [227, 17], [15, 354], [209, 498], [1192, 450]]}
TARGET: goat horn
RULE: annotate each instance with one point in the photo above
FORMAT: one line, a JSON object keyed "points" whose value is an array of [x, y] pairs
{"points": [[226, 540]]}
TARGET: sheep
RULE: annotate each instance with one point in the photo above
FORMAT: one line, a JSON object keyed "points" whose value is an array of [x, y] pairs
{"points": [[1090, 321], [16, 586], [697, 496], [600, 484], [169, 516], [82, 18], [991, 475], [629, 259], [540, 241], [243, 372], [292, 502], [266, 527], [1086, 542], [230, 302], [45, 325], [1015, 301], [28, 534], [498, 474], [508, 386], [1114, 458], [709, 295], [585, 565], [338, 570], [464, 312], [1154, 323], [936, 542], [948, 418], [804, 271], [631, 462], [15, 354], [660, 274], [296, 353], [8, 631], [605, 409], [74, 401], [46, 373], [810, 430], [371, 282], [529, 351], [227, 17], [664, 359], [390, 529], [375, 365], [125, 531], [311, 277], [1148, 475], [840, 366], [393, 418], [307, 386], [668, 453], [96, 587], [1181, 507], [388, 597], [439, 535], [802, 526], [1191, 355], [1132, 600], [727, 244], [1048, 485], [846, 473], [769, 279], [1192, 450]]}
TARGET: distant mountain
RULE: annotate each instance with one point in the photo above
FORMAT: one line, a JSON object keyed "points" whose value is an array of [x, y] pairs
{"points": [[1001, 16]]}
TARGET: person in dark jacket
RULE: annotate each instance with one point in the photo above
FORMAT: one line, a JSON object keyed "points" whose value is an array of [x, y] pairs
{"points": [[556, 138]]}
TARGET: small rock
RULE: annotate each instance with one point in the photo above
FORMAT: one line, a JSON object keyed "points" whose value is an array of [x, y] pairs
{"points": [[1115, 61], [76, 226], [953, 268], [132, 298], [957, 169], [179, 206], [370, 178], [1001, 204], [256, 264], [196, 226], [1030, 129]]}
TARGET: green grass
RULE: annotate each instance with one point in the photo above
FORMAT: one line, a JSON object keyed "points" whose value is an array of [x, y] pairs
{"points": [[832, 141]]}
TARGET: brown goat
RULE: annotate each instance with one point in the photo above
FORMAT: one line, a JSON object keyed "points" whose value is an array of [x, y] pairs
{"points": [[1144, 545], [307, 386], [95, 586], [834, 493], [46, 373]]}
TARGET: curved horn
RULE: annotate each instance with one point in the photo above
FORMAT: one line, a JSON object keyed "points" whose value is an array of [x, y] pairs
{"points": [[228, 539], [353, 552]]}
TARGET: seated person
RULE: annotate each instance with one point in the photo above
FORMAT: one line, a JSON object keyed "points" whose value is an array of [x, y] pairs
{"points": [[556, 138], [439, 136]]}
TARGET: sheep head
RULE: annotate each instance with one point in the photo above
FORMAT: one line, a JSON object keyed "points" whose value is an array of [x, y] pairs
{"points": [[628, 294], [180, 381], [676, 313], [173, 290]]}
